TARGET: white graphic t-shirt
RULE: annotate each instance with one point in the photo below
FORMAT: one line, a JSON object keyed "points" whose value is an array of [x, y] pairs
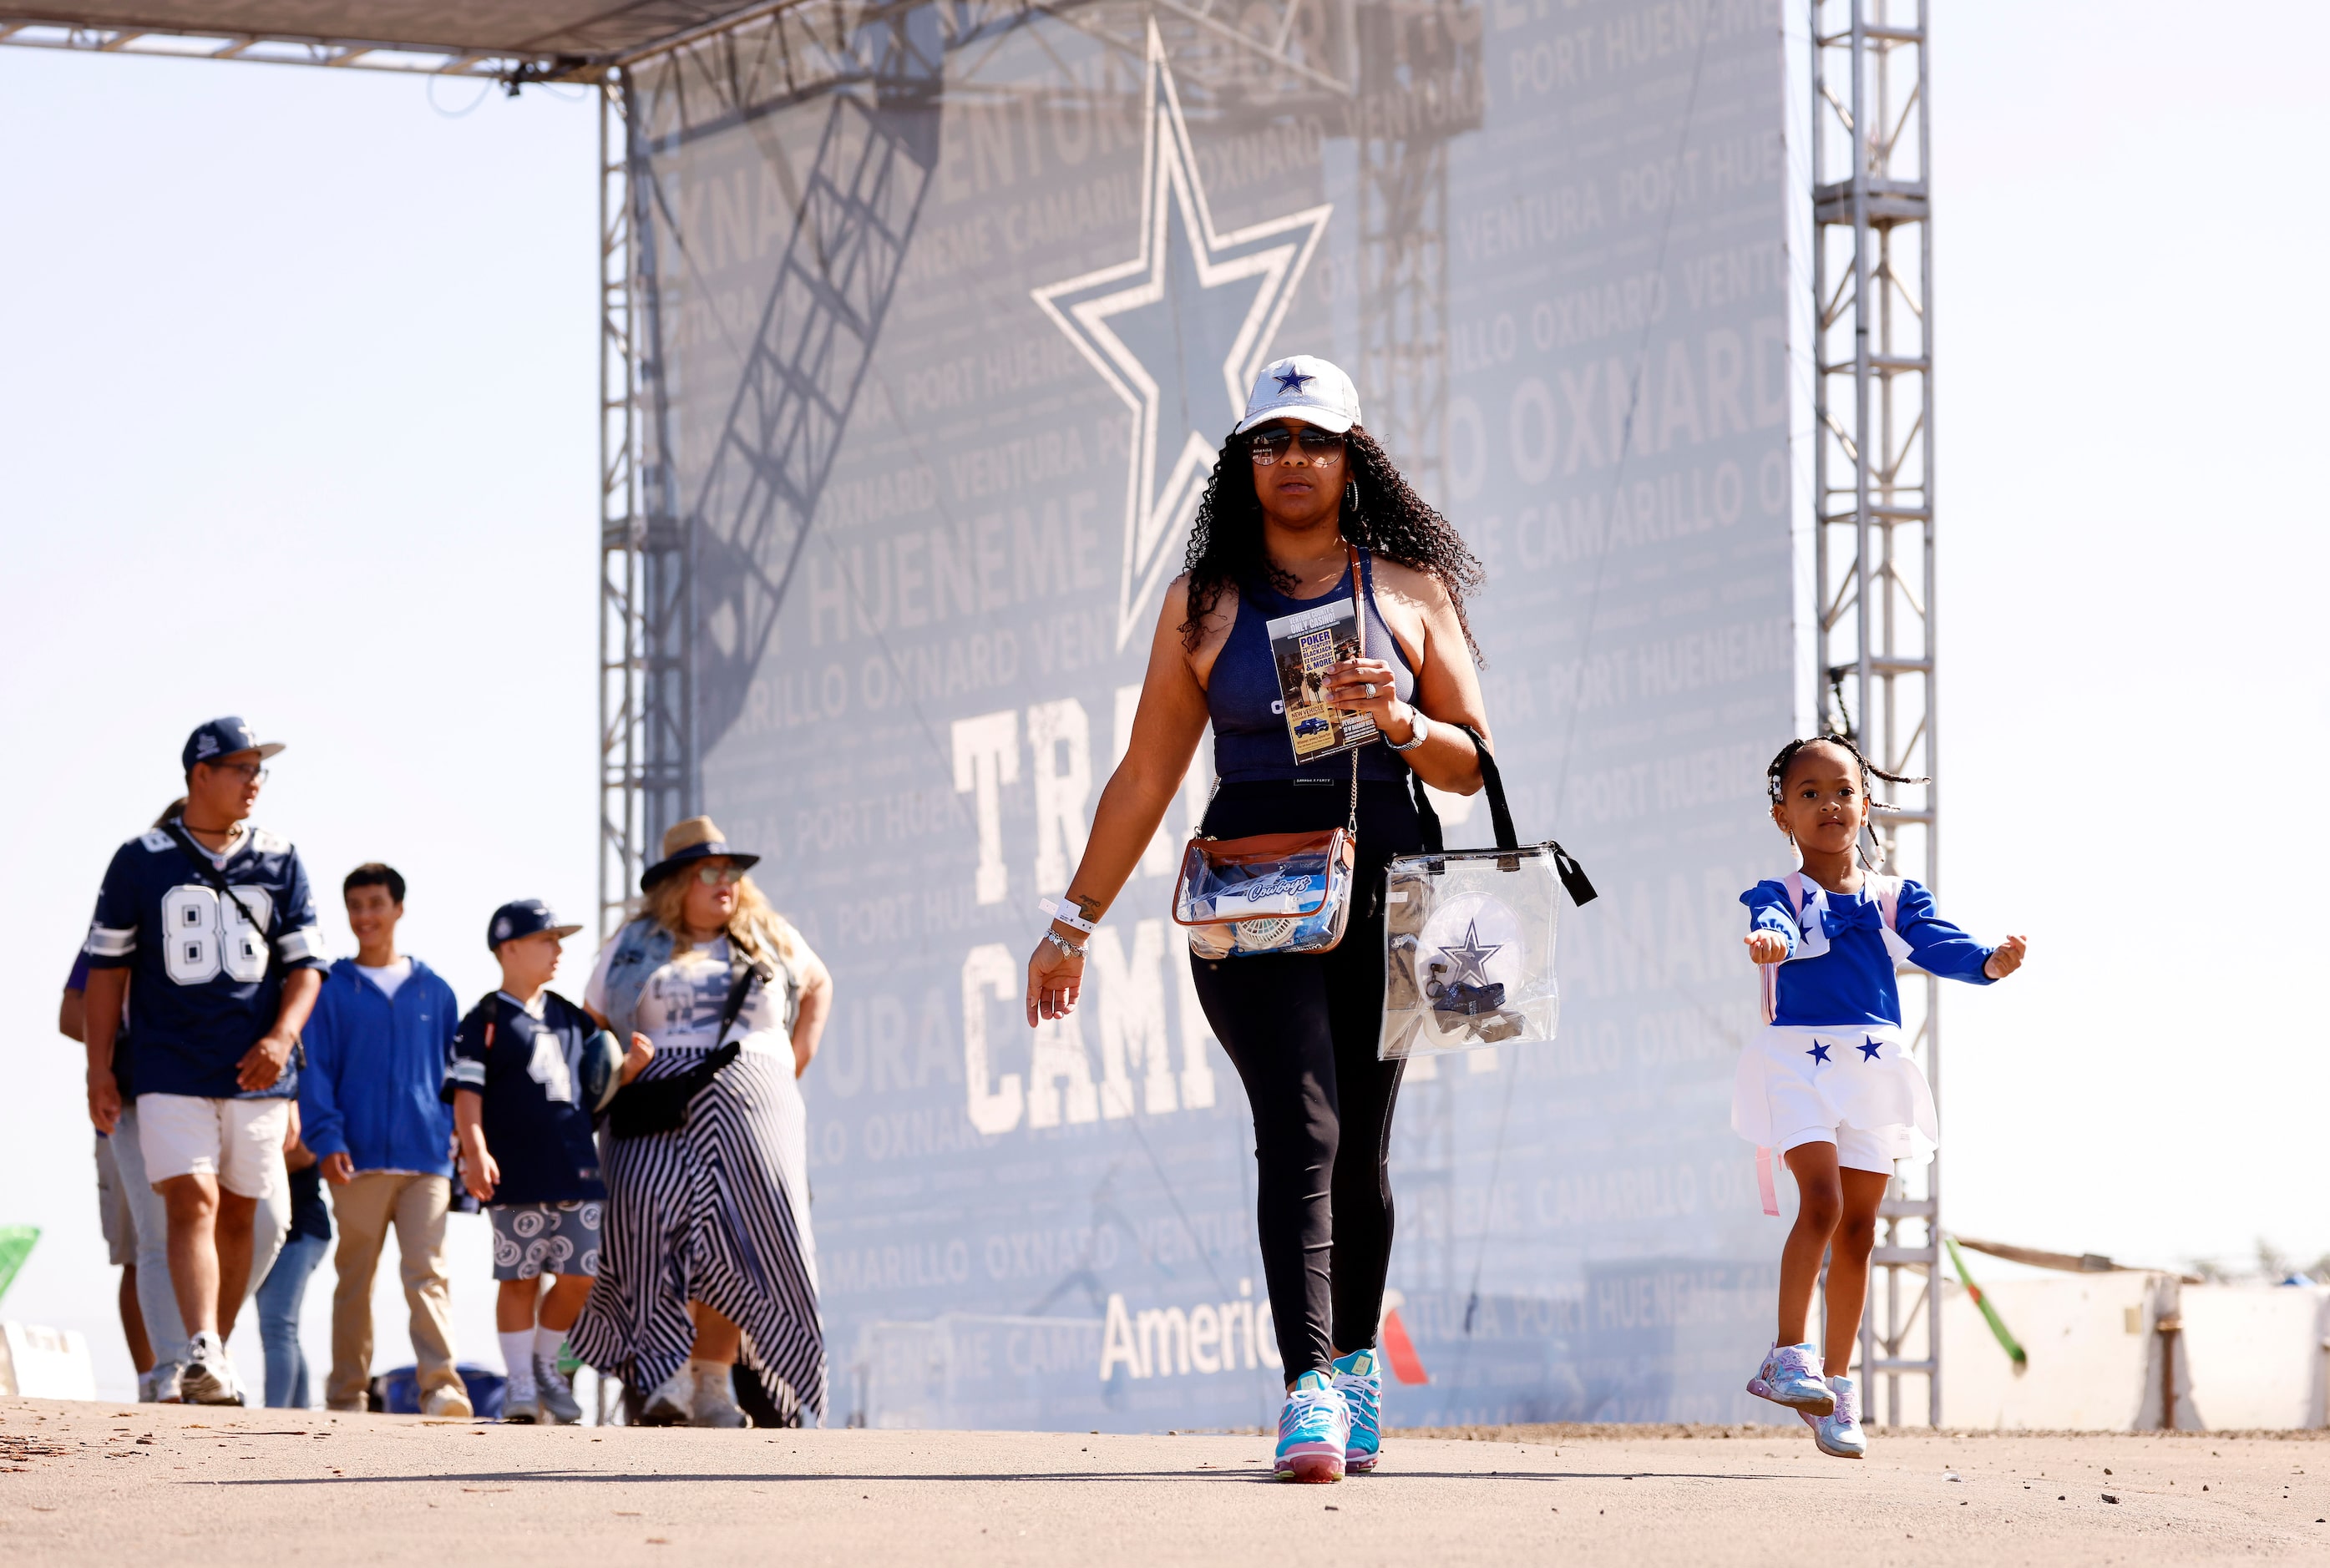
{"points": [[680, 1006]]}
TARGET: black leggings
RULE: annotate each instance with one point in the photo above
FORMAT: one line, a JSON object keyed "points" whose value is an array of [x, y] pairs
{"points": [[1300, 1029]]}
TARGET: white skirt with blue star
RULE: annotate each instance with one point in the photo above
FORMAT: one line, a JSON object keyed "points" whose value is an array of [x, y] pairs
{"points": [[1793, 1079]]}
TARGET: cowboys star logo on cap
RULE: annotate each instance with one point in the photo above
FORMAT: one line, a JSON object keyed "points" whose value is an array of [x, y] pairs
{"points": [[1291, 380]]}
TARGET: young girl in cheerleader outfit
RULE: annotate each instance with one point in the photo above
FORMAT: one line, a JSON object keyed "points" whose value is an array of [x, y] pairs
{"points": [[1831, 1084]]}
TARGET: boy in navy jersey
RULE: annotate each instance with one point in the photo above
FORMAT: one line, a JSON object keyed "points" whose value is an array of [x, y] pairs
{"points": [[527, 1152], [216, 920]]}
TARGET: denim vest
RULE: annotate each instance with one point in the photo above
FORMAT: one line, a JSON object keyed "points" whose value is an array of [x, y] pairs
{"points": [[643, 946]]}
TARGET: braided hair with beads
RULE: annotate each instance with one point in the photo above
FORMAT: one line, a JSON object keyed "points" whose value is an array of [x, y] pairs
{"points": [[1380, 513], [1775, 780]]}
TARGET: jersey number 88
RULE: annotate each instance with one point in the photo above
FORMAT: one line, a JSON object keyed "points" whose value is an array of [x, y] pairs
{"points": [[204, 936]]}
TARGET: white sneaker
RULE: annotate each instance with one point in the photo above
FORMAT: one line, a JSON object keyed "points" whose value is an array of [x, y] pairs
{"points": [[555, 1395], [447, 1404], [715, 1403], [1838, 1433], [208, 1376], [673, 1402]]}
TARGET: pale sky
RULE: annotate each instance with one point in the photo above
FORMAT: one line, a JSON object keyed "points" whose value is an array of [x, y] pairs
{"points": [[298, 410]]}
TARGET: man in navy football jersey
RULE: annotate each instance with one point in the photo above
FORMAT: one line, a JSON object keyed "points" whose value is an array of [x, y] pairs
{"points": [[216, 920]]}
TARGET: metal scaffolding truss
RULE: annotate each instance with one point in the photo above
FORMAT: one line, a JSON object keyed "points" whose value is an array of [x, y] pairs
{"points": [[1873, 490], [271, 48]]}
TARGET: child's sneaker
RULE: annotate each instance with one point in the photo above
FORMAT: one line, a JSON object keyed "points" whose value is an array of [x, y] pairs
{"points": [[523, 1407], [208, 1376], [1790, 1376], [672, 1401], [715, 1401], [1313, 1430], [553, 1395], [1359, 1378], [447, 1404], [1839, 1434]]}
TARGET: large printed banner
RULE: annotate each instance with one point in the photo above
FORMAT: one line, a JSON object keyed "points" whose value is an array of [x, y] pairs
{"points": [[944, 350]]}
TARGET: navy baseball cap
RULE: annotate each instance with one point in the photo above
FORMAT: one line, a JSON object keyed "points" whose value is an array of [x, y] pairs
{"points": [[525, 917], [222, 738]]}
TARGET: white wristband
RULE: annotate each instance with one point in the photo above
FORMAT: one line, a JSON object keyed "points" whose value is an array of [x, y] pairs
{"points": [[1066, 914]]}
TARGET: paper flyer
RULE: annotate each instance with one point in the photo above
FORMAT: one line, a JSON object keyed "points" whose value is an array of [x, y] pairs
{"points": [[1305, 646]]}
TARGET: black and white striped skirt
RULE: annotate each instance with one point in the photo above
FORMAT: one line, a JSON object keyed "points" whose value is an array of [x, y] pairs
{"points": [[718, 1213]]}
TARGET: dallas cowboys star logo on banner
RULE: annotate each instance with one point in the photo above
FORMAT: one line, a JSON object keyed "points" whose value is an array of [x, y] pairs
{"points": [[1192, 312]]}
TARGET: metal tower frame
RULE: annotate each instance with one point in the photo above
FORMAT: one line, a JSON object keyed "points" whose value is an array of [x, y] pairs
{"points": [[1873, 499]]}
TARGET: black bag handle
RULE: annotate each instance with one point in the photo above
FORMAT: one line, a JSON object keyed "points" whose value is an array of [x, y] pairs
{"points": [[1574, 880]]}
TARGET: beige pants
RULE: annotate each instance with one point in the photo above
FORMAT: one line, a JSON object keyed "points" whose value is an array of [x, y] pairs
{"points": [[363, 1209]]}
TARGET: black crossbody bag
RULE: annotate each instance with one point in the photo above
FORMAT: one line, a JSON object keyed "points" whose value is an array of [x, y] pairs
{"points": [[216, 879], [643, 1109]]}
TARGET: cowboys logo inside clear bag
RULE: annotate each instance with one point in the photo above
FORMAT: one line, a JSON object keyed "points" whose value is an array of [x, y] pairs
{"points": [[1469, 937]]}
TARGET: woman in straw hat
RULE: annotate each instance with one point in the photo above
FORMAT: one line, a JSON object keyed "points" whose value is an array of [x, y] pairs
{"points": [[707, 1253]]}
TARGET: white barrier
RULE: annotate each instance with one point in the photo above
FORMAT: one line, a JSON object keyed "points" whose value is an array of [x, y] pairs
{"points": [[38, 1363], [2247, 1357]]}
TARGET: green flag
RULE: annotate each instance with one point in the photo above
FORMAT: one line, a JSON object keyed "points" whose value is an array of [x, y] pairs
{"points": [[2006, 1341], [15, 1246]]}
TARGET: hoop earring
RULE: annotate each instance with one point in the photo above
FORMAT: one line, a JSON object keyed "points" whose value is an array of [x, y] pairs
{"points": [[1352, 496]]}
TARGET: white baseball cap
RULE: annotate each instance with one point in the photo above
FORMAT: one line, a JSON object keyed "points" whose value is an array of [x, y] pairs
{"points": [[1303, 387]]}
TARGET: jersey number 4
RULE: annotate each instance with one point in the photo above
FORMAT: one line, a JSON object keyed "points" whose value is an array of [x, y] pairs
{"points": [[204, 937]]}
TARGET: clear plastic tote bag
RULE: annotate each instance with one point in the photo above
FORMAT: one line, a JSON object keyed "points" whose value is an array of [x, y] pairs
{"points": [[1469, 935]]}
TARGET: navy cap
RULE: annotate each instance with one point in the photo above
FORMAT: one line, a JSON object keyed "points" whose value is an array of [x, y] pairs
{"points": [[525, 917], [223, 738]]}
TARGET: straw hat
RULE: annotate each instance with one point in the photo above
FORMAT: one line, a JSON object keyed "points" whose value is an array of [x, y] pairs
{"points": [[697, 838]]}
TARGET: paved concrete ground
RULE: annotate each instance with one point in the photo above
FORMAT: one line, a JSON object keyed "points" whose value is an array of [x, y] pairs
{"points": [[161, 1485]]}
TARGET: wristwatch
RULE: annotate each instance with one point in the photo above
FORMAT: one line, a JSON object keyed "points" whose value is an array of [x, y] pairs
{"points": [[1418, 728], [1073, 950]]}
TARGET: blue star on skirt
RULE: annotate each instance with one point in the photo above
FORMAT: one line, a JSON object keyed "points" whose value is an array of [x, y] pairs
{"points": [[1867, 1048], [1818, 1053]]}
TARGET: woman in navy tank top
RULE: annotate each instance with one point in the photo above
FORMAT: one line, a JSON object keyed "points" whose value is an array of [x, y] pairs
{"points": [[1298, 481]]}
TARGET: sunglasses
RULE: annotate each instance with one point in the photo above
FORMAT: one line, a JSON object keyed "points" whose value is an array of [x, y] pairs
{"points": [[718, 876], [1318, 446]]}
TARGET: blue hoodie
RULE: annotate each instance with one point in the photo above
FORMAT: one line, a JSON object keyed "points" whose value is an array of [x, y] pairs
{"points": [[375, 1065]]}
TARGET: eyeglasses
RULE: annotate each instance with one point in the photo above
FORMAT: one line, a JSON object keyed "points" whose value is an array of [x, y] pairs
{"points": [[1321, 447], [718, 876], [250, 772]]}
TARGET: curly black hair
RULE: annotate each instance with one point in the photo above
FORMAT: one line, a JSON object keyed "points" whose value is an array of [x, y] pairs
{"points": [[1776, 781], [1390, 519], [1776, 775]]}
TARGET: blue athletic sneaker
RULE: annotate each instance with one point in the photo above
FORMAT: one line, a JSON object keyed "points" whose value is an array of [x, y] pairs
{"points": [[1359, 1378], [1313, 1430], [1790, 1376]]}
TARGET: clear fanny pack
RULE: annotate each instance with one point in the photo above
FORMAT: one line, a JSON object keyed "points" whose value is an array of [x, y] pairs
{"points": [[1274, 892]]}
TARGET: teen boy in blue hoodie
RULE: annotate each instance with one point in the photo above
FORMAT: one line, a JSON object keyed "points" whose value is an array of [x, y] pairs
{"points": [[377, 1047]]}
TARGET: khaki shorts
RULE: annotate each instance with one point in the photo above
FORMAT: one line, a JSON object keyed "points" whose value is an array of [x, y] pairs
{"points": [[239, 1141], [113, 1214]]}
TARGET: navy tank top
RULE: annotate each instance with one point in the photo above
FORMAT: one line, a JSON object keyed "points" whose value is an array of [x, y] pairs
{"points": [[1250, 739]]}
